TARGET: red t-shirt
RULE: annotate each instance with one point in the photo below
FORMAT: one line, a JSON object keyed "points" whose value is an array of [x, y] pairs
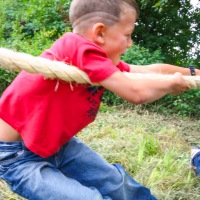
{"points": [[47, 113]]}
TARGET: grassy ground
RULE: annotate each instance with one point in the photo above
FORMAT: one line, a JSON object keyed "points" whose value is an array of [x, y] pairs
{"points": [[154, 149]]}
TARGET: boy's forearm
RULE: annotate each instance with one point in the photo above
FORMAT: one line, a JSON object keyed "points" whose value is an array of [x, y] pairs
{"points": [[162, 69], [140, 91]]}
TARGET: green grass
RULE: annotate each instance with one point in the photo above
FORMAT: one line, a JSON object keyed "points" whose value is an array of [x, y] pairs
{"points": [[154, 149]]}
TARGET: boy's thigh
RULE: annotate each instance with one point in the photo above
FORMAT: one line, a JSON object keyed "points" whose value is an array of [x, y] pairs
{"points": [[79, 162]]}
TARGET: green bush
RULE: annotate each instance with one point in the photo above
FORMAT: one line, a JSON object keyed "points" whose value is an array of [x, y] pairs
{"points": [[6, 77], [30, 27], [32, 16], [140, 56], [184, 105]]}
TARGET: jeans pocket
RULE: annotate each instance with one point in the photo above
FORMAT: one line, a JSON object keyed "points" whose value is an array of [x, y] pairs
{"points": [[10, 152], [7, 157]]}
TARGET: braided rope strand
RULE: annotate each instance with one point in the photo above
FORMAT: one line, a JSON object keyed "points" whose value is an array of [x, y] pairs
{"points": [[18, 61]]}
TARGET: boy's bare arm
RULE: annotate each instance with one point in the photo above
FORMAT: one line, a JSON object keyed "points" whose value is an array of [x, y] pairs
{"points": [[162, 69], [146, 90]]}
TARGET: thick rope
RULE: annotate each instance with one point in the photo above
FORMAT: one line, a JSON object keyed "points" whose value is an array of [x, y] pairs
{"points": [[58, 70]]}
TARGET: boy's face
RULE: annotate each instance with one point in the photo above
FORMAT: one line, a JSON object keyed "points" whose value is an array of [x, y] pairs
{"points": [[118, 37]]}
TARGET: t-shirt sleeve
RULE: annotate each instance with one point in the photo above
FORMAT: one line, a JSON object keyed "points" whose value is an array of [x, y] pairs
{"points": [[96, 64], [124, 67]]}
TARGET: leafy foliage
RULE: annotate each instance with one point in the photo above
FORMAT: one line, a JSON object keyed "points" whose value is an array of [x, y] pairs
{"points": [[173, 27], [33, 16], [185, 105], [6, 77], [30, 27]]}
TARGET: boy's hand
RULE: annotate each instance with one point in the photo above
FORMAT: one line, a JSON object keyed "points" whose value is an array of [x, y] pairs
{"points": [[180, 84]]}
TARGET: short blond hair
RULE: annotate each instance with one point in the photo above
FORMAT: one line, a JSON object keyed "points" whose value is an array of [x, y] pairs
{"points": [[107, 12]]}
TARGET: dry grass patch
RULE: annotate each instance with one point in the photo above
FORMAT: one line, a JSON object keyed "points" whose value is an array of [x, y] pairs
{"points": [[154, 149]]}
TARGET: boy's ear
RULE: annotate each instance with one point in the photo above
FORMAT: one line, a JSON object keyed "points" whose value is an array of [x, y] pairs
{"points": [[98, 33]]}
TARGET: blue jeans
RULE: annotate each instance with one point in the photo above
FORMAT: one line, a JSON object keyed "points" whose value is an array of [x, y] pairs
{"points": [[75, 172], [196, 163]]}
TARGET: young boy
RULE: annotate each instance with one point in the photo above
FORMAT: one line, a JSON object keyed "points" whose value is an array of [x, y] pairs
{"points": [[39, 156]]}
